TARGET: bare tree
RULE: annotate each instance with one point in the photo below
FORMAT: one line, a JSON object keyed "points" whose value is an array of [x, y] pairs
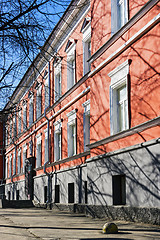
{"points": [[24, 26]]}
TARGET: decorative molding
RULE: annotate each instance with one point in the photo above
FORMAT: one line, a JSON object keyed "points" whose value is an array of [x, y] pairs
{"points": [[142, 12], [126, 45]]}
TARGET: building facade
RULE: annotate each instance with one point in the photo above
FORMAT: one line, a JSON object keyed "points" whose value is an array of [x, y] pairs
{"points": [[85, 126]]}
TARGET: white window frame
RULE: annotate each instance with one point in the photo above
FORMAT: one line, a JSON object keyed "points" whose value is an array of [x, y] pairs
{"points": [[86, 39], [119, 78], [24, 116], [31, 110], [6, 135], [58, 86], [15, 125], [116, 24], [19, 161], [6, 170], [10, 131], [19, 121], [47, 90], [46, 146], [24, 157], [72, 140], [39, 150], [86, 124], [71, 71], [14, 163], [57, 141], [39, 101], [10, 165]]}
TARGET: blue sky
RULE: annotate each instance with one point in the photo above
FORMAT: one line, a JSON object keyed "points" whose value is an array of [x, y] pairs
{"points": [[14, 54]]}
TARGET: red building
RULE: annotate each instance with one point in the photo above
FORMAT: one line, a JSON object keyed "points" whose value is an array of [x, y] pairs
{"points": [[85, 130]]}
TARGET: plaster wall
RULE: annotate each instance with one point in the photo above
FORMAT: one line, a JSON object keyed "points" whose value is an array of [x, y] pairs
{"points": [[141, 169]]}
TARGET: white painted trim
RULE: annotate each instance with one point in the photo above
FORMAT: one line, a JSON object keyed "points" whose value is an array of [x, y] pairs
{"points": [[84, 92], [72, 30], [126, 45]]}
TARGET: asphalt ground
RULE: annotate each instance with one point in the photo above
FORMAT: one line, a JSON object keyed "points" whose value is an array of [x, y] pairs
{"points": [[35, 223]]}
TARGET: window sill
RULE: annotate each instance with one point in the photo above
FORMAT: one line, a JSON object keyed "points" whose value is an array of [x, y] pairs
{"points": [[134, 130], [72, 158]]}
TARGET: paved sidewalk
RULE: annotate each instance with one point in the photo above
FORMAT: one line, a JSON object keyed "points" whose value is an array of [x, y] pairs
{"points": [[41, 224]]}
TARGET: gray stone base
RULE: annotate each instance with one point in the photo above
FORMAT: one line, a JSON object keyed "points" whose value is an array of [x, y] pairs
{"points": [[125, 213]]}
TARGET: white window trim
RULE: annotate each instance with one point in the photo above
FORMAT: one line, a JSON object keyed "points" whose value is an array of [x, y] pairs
{"points": [[115, 16], [86, 39], [39, 142], [24, 151], [6, 170], [39, 94], [57, 130], [19, 121], [71, 121], [86, 106], [58, 71], [19, 163], [47, 90], [31, 103], [25, 115], [10, 165], [70, 57], [10, 130], [119, 77]]}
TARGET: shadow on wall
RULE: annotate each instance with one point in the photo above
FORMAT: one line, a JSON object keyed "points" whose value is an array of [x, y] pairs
{"points": [[138, 173]]}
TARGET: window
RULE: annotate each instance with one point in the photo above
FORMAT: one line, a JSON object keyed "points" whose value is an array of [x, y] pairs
{"points": [[19, 161], [58, 140], [70, 192], [10, 166], [10, 131], [6, 135], [38, 150], [119, 14], [24, 156], [15, 125], [39, 101], [57, 194], [72, 133], [46, 146], [119, 189], [31, 108], [47, 90], [19, 121], [71, 69], [86, 124], [57, 80], [24, 116], [86, 30], [14, 163], [6, 170], [119, 116], [45, 194]]}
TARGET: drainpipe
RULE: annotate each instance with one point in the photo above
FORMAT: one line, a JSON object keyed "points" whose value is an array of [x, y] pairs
{"points": [[48, 137], [15, 155], [48, 174]]}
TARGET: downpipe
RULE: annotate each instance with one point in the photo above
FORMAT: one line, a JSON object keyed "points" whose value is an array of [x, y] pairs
{"points": [[49, 175]]}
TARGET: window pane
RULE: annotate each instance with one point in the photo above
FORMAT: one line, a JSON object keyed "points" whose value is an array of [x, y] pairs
{"points": [[122, 93], [73, 139], [121, 117], [120, 13]]}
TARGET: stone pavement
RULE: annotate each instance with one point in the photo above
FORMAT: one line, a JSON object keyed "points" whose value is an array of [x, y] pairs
{"points": [[34, 223]]}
